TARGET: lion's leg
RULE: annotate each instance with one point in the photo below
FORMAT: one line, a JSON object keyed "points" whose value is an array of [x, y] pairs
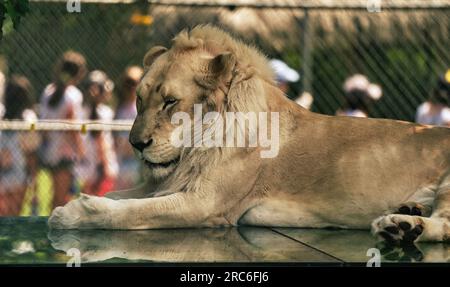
{"points": [[175, 210], [399, 228], [139, 192]]}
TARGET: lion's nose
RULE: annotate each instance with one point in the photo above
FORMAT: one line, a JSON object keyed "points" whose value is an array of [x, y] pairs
{"points": [[141, 145]]}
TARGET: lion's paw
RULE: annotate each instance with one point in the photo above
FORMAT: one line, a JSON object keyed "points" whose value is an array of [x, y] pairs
{"points": [[84, 212], [398, 229], [413, 208]]}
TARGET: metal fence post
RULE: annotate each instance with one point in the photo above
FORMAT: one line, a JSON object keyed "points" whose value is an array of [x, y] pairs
{"points": [[307, 60]]}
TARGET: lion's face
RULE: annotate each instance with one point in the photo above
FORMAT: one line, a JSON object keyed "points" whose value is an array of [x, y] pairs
{"points": [[171, 84]]}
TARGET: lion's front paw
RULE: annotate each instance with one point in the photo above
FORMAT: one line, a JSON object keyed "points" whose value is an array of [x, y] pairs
{"points": [[398, 229], [83, 213]]}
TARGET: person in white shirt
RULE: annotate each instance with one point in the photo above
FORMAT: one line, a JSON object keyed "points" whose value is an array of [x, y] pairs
{"points": [[62, 100], [2, 91], [129, 166], [360, 94], [99, 171], [436, 110], [19, 104], [283, 74]]}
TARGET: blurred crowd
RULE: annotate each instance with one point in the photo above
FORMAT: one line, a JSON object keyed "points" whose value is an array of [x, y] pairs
{"points": [[360, 95], [40, 171]]}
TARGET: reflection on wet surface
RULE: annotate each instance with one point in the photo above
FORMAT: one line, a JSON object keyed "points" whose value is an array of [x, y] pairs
{"points": [[352, 246], [186, 245], [28, 240]]}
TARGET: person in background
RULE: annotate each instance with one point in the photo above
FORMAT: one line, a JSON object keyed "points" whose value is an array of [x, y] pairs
{"points": [[38, 198], [19, 104], [2, 92], [126, 108], [100, 169], [436, 110], [360, 94], [62, 100], [129, 167], [285, 75]]}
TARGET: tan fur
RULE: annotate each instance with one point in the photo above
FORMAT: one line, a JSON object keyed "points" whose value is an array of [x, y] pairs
{"points": [[330, 171]]}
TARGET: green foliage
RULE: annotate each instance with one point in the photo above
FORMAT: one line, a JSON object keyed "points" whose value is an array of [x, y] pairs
{"points": [[14, 9]]}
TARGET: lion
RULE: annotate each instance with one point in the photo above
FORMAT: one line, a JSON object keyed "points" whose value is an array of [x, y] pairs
{"points": [[392, 177]]}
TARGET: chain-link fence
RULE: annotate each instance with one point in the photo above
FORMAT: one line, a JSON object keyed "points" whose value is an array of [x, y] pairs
{"points": [[401, 45]]}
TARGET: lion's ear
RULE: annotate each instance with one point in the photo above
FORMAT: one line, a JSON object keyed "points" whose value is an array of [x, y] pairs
{"points": [[152, 54], [218, 70], [222, 65]]}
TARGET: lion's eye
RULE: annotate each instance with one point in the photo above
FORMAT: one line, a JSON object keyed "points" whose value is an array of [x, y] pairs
{"points": [[169, 102]]}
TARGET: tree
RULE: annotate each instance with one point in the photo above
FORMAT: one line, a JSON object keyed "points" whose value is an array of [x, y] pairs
{"points": [[15, 9]]}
